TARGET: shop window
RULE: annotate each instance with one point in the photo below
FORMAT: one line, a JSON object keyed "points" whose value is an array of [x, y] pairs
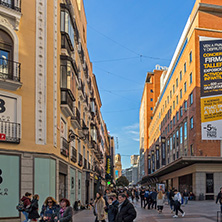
{"points": [[209, 183]]}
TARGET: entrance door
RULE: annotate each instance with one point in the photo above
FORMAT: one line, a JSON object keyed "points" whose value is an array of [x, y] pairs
{"points": [[87, 191], [62, 186]]}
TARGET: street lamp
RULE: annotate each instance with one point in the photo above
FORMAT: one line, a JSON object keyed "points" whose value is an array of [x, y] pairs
{"points": [[72, 135]]}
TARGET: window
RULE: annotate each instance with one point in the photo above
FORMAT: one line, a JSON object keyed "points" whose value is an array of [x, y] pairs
{"points": [[66, 25], [151, 91], [181, 134], [185, 106], [181, 94], [191, 150], [191, 122], [177, 116], [181, 111], [151, 99], [174, 140], [174, 120], [151, 117], [176, 100], [185, 67], [168, 99], [173, 89], [168, 128], [185, 87], [191, 99], [185, 130], [151, 108], [170, 94], [171, 124], [176, 83], [191, 78], [177, 137], [209, 183], [191, 57], [173, 105], [171, 143], [181, 76]]}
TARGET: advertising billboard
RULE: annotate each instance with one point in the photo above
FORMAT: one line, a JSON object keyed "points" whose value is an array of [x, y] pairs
{"points": [[211, 88]]}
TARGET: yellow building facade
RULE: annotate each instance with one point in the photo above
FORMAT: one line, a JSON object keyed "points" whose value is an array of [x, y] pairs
{"points": [[52, 140]]}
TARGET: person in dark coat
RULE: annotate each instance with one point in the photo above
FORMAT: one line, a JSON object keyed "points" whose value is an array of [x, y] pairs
{"points": [[113, 207], [142, 193], [153, 197], [27, 202], [126, 211], [34, 208], [219, 199], [65, 213]]}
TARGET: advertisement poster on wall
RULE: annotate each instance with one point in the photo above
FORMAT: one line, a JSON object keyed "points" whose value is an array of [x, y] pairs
{"points": [[211, 88], [9, 186]]}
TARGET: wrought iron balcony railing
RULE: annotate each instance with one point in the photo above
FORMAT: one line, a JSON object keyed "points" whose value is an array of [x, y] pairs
{"points": [[12, 4], [9, 69], [10, 132]]}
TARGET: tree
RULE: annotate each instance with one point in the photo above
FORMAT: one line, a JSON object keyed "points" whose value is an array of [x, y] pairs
{"points": [[122, 181]]}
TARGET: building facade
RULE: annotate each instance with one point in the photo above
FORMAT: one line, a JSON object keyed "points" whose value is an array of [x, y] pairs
{"points": [[118, 166], [177, 154], [52, 137]]}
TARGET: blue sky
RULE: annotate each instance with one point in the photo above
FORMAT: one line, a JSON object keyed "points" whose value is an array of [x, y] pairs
{"points": [[126, 39]]}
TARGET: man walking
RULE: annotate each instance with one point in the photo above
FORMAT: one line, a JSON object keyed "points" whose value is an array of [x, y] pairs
{"points": [[185, 196], [219, 199], [142, 193], [113, 207], [126, 211]]}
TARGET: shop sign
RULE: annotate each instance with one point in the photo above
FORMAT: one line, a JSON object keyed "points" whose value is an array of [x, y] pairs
{"points": [[211, 89], [2, 137]]}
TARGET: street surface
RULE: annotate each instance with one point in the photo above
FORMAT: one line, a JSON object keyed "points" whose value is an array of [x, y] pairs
{"points": [[196, 211]]}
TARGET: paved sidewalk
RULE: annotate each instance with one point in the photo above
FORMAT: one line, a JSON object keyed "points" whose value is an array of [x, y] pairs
{"points": [[196, 211]]}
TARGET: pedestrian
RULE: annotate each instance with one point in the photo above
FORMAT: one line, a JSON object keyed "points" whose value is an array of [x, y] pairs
{"points": [[142, 193], [185, 196], [65, 212], [34, 208], [137, 195], [105, 197], [50, 208], [113, 207], [171, 199], [153, 198], [26, 200], [177, 203], [146, 198], [133, 195], [219, 199], [99, 208], [160, 201], [126, 210]]}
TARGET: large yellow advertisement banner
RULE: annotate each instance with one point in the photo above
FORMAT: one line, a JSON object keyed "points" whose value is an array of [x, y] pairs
{"points": [[211, 109]]}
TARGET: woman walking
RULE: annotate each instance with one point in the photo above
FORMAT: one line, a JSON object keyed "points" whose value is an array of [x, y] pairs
{"points": [[65, 212], [160, 201], [50, 208], [99, 208], [34, 208]]}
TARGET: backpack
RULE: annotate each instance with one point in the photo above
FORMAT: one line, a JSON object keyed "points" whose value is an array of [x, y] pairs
{"points": [[20, 206]]}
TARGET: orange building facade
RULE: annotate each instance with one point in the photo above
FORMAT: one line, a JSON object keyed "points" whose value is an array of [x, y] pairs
{"points": [[176, 153]]}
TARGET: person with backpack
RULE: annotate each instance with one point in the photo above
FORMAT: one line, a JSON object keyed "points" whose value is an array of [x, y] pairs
{"points": [[34, 208], [160, 201], [219, 199], [23, 204]]}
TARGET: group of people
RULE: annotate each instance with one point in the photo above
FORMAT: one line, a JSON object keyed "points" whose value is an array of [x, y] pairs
{"points": [[116, 205], [51, 211]]}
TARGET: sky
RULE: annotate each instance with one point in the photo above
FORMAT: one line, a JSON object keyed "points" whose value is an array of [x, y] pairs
{"points": [[126, 39]]}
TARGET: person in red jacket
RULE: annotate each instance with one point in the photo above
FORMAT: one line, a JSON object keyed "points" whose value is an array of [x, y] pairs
{"points": [[26, 201]]}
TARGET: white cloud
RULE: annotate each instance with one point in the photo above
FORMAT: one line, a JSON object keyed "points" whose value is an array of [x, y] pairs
{"points": [[136, 139], [132, 127]]}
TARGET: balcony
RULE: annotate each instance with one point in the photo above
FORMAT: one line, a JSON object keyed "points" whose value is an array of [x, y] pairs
{"points": [[75, 119], [74, 155], [10, 132], [66, 43], [81, 90], [67, 100], [80, 160], [83, 130], [64, 147], [76, 36], [9, 74], [86, 70], [81, 53], [11, 4]]}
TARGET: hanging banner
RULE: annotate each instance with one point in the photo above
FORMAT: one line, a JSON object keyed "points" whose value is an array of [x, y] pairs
{"points": [[153, 162], [149, 164], [157, 157], [163, 150], [211, 88]]}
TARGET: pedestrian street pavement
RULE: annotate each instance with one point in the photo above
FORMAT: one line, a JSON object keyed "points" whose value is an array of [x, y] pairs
{"points": [[196, 211]]}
